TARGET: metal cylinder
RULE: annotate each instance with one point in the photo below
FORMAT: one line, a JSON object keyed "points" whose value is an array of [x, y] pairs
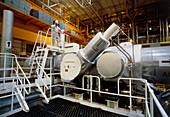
{"points": [[94, 47], [111, 31], [7, 31], [156, 64], [6, 40]]}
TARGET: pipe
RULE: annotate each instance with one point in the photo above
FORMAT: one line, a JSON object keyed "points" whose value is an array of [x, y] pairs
{"points": [[6, 41]]}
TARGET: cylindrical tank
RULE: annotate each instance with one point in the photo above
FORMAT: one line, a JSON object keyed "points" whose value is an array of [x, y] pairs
{"points": [[110, 65], [87, 55], [156, 64], [6, 40]]}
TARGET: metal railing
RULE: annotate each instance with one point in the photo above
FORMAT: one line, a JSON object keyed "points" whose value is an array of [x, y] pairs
{"points": [[148, 112], [45, 74], [18, 67], [44, 41], [13, 77]]}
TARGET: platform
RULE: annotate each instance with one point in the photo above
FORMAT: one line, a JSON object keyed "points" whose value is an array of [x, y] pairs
{"points": [[63, 108]]}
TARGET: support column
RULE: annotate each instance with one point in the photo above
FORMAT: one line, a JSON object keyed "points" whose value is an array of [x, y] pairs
{"points": [[167, 30], [160, 29], [6, 41], [137, 41], [163, 30], [147, 33], [133, 31]]}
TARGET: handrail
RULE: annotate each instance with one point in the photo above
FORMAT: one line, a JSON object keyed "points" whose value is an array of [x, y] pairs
{"points": [[39, 66], [147, 85], [35, 42], [21, 82], [19, 68]]}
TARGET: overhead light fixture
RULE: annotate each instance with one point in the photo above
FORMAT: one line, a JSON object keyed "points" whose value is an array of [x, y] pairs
{"points": [[169, 25], [150, 28]]}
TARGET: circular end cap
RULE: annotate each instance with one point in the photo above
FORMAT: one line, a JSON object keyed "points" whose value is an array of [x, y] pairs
{"points": [[70, 67], [110, 65]]}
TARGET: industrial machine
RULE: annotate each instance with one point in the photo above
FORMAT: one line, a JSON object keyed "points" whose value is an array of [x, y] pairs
{"points": [[119, 76]]}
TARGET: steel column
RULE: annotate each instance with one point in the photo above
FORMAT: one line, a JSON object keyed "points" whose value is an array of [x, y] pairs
{"points": [[163, 30], [160, 29], [167, 30], [6, 41], [137, 41], [147, 33]]}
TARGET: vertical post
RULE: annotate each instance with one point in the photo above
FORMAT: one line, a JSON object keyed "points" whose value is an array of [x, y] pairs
{"points": [[91, 82], [64, 89], [48, 2], [133, 31], [52, 70], [87, 29], [118, 90], [78, 21], [167, 30], [163, 30], [130, 88], [43, 4], [64, 15], [160, 29], [51, 77], [151, 105], [137, 41], [128, 34], [4, 73], [146, 100], [147, 32]]}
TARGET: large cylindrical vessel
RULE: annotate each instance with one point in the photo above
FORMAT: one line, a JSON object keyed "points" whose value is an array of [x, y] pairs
{"points": [[156, 64], [6, 40]]}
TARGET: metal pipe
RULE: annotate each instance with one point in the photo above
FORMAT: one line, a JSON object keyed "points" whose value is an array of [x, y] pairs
{"points": [[6, 41], [167, 30]]}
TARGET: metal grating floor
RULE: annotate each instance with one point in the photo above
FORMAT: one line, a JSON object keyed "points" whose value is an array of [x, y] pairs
{"points": [[63, 108]]}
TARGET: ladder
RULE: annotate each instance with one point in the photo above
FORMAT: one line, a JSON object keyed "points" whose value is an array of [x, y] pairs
{"points": [[39, 58]]}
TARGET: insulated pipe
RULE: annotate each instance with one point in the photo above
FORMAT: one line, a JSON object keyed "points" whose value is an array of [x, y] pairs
{"points": [[6, 41]]}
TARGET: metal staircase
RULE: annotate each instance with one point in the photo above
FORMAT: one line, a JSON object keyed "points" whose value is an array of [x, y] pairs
{"points": [[21, 99]]}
